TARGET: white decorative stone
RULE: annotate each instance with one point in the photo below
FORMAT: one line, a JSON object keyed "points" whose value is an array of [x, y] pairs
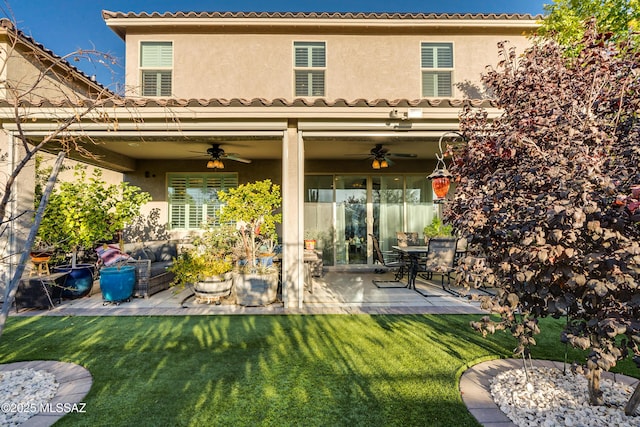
{"points": [[22, 393], [550, 398]]}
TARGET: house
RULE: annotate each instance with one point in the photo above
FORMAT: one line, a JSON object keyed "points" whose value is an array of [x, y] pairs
{"points": [[343, 110]]}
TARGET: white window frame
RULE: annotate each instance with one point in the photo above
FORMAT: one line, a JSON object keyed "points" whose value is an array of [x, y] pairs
{"points": [[200, 205], [158, 68], [436, 69], [310, 69]]}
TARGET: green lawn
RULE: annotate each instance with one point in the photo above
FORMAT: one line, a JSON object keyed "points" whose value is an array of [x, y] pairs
{"points": [[336, 370]]}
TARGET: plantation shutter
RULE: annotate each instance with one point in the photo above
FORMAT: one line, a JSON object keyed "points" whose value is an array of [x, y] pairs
{"points": [[156, 83], [156, 54], [156, 59], [214, 184], [434, 58], [193, 198], [195, 190], [436, 83], [309, 81], [309, 54], [437, 55], [177, 202]]}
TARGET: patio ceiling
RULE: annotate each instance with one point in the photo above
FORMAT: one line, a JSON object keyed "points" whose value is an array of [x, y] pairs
{"points": [[258, 148]]}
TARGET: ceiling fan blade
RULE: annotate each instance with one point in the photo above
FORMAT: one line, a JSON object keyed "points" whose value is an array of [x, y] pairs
{"points": [[406, 155], [237, 159]]}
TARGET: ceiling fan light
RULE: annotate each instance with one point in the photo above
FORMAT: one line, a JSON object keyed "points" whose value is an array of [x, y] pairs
{"points": [[384, 163], [375, 164], [220, 164], [211, 164]]}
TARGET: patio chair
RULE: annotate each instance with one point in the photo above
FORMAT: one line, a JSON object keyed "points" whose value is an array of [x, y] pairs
{"points": [[390, 261], [440, 259], [408, 238]]}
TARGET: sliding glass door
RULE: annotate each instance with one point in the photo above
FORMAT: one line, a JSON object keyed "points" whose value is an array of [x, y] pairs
{"points": [[343, 211]]}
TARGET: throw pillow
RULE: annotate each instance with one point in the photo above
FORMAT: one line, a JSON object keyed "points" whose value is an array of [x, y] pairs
{"points": [[110, 254]]}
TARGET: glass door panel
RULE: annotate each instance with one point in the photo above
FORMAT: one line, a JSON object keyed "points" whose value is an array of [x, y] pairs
{"points": [[340, 212], [318, 214], [351, 220], [388, 209], [419, 202]]}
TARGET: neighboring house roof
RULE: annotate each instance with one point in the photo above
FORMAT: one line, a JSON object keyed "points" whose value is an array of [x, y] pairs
{"points": [[8, 25]]}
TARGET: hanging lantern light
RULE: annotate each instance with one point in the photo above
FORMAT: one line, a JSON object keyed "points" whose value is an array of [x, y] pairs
{"points": [[441, 178], [440, 183]]}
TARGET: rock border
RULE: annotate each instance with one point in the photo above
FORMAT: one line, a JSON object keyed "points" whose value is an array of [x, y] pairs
{"points": [[74, 382], [476, 393]]}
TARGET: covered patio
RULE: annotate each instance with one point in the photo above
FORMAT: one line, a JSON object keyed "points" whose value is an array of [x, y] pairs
{"points": [[337, 292], [320, 154]]}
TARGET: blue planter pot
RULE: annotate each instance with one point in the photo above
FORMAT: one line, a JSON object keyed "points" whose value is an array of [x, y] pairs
{"points": [[78, 282], [116, 283]]}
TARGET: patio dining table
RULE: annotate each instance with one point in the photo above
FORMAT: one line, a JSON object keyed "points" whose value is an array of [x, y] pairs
{"points": [[413, 254]]}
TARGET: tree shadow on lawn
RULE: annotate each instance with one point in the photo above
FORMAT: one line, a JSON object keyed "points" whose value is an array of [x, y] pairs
{"points": [[263, 370]]}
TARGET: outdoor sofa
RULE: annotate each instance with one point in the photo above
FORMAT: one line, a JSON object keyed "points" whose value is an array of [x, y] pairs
{"points": [[151, 259]]}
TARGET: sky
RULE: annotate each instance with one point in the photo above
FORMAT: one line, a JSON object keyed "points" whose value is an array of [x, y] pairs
{"points": [[64, 26]]}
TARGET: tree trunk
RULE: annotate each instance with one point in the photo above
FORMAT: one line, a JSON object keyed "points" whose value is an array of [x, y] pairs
{"points": [[595, 394], [10, 292], [632, 404]]}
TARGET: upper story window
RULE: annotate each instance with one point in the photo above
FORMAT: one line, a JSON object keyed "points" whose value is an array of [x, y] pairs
{"points": [[156, 63], [310, 65], [437, 69]]}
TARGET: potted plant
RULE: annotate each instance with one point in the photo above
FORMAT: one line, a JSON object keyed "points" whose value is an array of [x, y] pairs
{"points": [[437, 229], [207, 264], [310, 239], [117, 282], [83, 212], [252, 207]]}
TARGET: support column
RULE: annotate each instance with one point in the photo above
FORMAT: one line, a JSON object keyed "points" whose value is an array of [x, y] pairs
{"points": [[292, 217]]}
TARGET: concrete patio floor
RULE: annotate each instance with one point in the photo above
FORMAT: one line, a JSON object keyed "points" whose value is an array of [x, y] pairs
{"points": [[337, 292]]}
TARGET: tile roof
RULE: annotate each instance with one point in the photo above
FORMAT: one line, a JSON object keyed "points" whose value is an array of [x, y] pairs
{"points": [[320, 15], [278, 102]]}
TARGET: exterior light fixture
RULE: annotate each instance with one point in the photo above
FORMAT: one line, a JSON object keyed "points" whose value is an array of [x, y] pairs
{"points": [[379, 162], [441, 178], [215, 164]]}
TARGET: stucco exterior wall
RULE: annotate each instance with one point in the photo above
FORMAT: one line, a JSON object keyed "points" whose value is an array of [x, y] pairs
{"points": [[23, 69], [358, 66]]}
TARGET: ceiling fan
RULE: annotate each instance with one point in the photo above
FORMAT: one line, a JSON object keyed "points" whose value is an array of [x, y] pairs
{"points": [[217, 154], [382, 157]]}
